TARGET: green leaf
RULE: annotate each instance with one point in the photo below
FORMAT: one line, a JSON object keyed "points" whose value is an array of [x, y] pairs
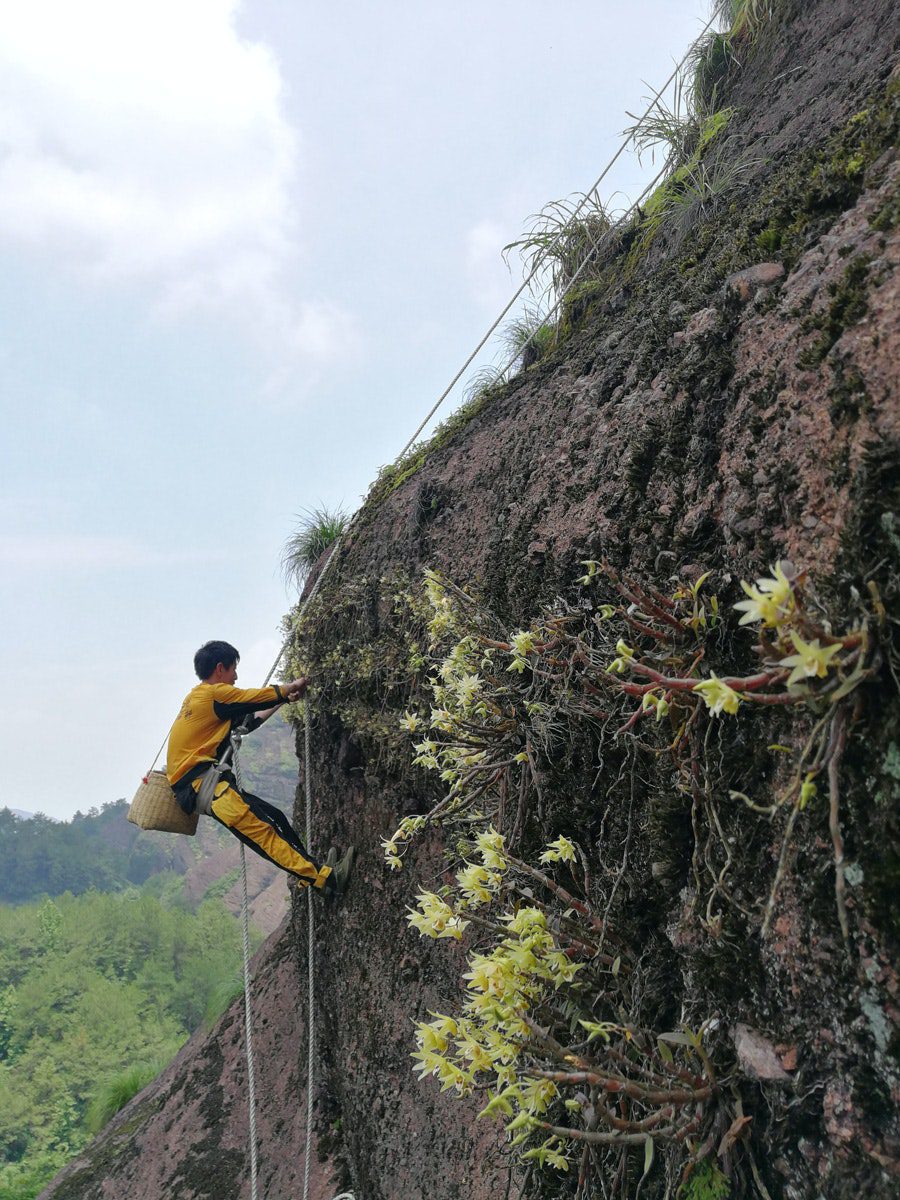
{"points": [[677, 1039], [649, 1152], [665, 1053]]}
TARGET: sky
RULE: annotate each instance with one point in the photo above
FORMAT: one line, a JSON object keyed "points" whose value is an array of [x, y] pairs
{"points": [[243, 249]]}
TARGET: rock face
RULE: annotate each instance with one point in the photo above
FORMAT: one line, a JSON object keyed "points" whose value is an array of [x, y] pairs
{"points": [[726, 396]]}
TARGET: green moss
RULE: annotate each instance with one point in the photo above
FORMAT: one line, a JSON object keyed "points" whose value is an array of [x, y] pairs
{"points": [[848, 305], [578, 302], [847, 393], [769, 239], [394, 476], [888, 216], [706, 1182]]}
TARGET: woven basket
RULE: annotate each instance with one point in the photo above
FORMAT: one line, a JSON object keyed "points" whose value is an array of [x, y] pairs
{"points": [[154, 807]]}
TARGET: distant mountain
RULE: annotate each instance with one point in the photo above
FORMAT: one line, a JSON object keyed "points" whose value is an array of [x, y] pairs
{"points": [[102, 851]]}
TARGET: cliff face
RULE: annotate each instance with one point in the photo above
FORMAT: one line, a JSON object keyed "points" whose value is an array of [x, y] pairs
{"points": [[726, 396]]}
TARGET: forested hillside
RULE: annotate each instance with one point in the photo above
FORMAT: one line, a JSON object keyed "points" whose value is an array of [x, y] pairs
{"points": [[97, 993], [115, 945]]}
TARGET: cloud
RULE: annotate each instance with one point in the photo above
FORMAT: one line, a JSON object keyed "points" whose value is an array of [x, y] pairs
{"points": [[147, 143], [86, 551]]}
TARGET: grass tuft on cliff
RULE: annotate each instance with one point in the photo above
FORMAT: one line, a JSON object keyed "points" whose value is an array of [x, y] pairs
{"points": [[319, 528], [115, 1093]]}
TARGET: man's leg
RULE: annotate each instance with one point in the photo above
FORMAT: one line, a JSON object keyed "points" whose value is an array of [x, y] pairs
{"points": [[266, 830]]}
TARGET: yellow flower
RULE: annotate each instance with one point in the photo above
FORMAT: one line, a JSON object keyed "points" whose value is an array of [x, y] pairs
{"points": [[718, 696], [441, 719], [429, 1062], [490, 846], [477, 883], [433, 1036], [522, 642], [811, 660], [537, 1094], [498, 1103], [592, 566], [619, 664], [771, 601], [467, 688], [561, 850], [410, 722], [808, 791], [436, 918], [486, 976], [526, 920], [659, 703]]}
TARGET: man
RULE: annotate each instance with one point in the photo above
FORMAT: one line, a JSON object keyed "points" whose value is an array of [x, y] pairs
{"points": [[201, 733]]}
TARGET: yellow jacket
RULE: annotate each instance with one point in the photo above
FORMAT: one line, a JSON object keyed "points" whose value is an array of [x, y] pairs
{"points": [[203, 726]]}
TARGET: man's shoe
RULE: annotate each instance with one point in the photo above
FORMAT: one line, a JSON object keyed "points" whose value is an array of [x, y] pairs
{"points": [[340, 875], [331, 857]]}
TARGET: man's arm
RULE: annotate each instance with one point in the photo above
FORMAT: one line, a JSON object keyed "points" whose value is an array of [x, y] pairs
{"points": [[263, 715], [232, 702], [292, 691]]}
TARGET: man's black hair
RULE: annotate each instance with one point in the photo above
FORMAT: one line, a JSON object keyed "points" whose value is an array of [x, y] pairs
{"points": [[209, 656]]}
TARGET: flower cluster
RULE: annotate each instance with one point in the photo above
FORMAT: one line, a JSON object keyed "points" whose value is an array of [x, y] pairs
{"points": [[435, 918], [486, 1044], [472, 725], [718, 696], [771, 602], [391, 846], [562, 850]]}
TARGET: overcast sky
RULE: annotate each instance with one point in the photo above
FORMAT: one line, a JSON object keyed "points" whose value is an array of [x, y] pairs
{"points": [[243, 248]]}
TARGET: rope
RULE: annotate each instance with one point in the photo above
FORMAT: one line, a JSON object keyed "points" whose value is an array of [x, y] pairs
{"points": [[236, 739], [310, 946]]}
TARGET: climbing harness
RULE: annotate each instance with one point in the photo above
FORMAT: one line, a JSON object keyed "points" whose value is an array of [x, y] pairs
{"points": [[237, 735]]}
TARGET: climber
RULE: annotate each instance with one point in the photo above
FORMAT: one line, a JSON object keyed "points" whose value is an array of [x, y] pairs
{"points": [[200, 736]]}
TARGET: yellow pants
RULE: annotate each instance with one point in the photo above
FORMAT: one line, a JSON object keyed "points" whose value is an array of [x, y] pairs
{"points": [[265, 829]]}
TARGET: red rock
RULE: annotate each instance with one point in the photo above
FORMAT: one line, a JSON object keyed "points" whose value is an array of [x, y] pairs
{"points": [[789, 1058], [757, 1055], [746, 282]]}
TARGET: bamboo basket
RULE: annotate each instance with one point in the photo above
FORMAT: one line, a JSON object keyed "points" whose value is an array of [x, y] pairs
{"points": [[154, 807]]}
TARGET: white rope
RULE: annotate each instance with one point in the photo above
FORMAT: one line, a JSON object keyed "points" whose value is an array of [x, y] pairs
{"points": [[236, 739], [310, 966], [248, 1022]]}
